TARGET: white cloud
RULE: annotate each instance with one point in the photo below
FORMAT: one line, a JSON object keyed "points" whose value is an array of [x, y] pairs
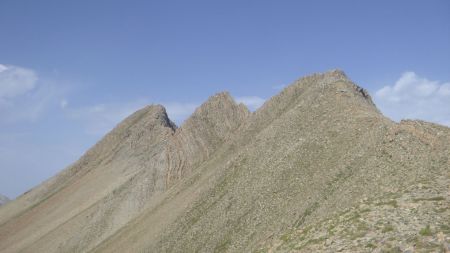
{"points": [[63, 103], [252, 102], [415, 97], [3, 68], [23, 96], [15, 81]]}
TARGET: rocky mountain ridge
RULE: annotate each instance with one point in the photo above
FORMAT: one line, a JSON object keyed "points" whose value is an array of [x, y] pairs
{"points": [[136, 161], [229, 180]]}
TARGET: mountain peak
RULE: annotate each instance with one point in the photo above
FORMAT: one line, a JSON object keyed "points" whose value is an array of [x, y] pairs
{"points": [[328, 77], [217, 100], [203, 132], [337, 73], [221, 95], [335, 83], [329, 90], [153, 112], [219, 109]]}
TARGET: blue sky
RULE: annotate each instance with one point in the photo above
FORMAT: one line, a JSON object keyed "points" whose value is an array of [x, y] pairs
{"points": [[71, 70]]}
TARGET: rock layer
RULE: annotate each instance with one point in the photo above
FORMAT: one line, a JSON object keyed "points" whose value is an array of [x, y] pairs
{"points": [[210, 126]]}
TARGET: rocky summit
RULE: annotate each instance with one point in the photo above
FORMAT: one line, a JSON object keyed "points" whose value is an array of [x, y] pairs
{"points": [[316, 169]]}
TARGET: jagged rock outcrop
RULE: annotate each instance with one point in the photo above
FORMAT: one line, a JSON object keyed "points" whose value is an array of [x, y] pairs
{"points": [[235, 181], [210, 126]]}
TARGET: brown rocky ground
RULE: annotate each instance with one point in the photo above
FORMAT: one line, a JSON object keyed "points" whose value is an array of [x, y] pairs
{"points": [[415, 219]]}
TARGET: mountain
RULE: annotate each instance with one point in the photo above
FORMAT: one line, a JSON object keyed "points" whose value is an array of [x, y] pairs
{"points": [[3, 199], [316, 169]]}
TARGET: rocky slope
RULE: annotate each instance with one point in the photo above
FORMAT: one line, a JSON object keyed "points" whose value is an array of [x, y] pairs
{"points": [[316, 168], [115, 179], [414, 219]]}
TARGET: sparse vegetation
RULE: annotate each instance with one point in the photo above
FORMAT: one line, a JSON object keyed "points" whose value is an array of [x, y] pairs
{"points": [[391, 202], [285, 237], [387, 228], [222, 246], [438, 198], [391, 249], [445, 228], [426, 231], [371, 245], [360, 231]]}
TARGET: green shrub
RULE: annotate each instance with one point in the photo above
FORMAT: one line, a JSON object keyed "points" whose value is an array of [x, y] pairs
{"points": [[426, 231]]}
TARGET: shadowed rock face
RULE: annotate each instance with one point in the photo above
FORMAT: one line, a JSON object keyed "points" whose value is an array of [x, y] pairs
{"points": [[231, 180]]}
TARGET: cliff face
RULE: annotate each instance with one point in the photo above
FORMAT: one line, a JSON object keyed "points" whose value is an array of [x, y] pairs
{"points": [[231, 180]]}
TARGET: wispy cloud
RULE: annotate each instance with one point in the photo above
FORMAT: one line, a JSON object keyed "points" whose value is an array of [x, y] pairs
{"points": [[415, 97], [63, 103], [252, 102], [15, 81], [23, 95]]}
